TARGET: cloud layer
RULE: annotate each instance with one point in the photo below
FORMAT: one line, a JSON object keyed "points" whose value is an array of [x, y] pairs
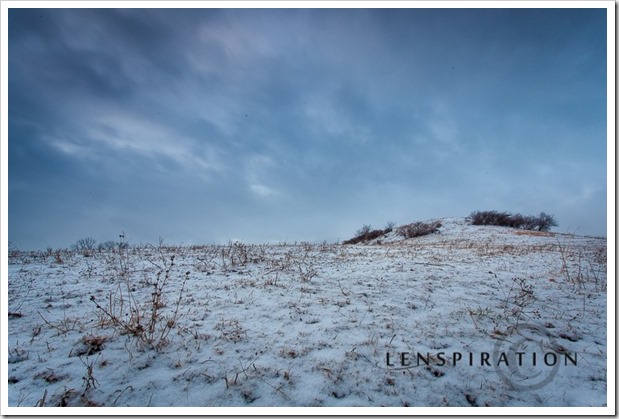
{"points": [[262, 125]]}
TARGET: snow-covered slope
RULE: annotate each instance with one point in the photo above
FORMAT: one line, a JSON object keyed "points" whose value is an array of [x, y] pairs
{"points": [[315, 324]]}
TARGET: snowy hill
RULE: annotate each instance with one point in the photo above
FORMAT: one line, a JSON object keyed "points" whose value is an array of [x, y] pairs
{"points": [[470, 316]]}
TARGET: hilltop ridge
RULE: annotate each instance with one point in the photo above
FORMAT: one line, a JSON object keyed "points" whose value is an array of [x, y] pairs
{"points": [[460, 228]]}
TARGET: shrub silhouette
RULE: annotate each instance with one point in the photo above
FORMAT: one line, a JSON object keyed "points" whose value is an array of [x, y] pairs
{"points": [[366, 234], [418, 229], [85, 246], [545, 222], [542, 222], [363, 230]]}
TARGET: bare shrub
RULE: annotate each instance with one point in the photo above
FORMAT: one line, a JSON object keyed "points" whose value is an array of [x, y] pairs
{"points": [[363, 230], [491, 218], [85, 246], [525, 222], [145, 319], [366, 234], [107, 246], [418, 229], [543, 222], [57, 258]]}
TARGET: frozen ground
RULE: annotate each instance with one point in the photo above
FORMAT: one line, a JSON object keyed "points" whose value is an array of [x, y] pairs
{"points": [[312, 324]]}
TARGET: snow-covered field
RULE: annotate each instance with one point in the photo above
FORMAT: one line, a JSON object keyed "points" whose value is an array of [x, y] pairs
{"points": [[379, 324]]}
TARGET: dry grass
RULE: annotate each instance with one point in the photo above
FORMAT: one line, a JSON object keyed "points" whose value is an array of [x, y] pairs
{"points": [[533, 233], [131, 315], [328, 285]]}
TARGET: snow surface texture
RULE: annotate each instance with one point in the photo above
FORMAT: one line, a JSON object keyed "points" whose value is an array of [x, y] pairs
{"points": [[312, 324]]}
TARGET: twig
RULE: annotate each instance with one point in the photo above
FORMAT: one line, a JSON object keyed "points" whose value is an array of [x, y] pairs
{"points": [[278, 389], [433, 264], [41, 401], [121, 393], [346, 294]]}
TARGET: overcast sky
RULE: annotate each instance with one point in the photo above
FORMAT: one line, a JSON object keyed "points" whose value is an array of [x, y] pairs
{"points": [[204, 126]]}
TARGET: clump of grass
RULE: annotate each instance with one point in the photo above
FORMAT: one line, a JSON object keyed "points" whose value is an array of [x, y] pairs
{"points": [[58, 258], [583, 271], [231, 330], [89, 379], [90, 344]]}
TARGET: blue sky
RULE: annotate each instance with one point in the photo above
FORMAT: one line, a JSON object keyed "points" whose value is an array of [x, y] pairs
{"points": [[209, 125]]}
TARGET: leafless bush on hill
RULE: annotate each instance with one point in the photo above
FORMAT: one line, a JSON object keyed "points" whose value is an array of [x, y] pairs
{"points": [[85, 246], [542, 222], [365, 235], [418, 229]]}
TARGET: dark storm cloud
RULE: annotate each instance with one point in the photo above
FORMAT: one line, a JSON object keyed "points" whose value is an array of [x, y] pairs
{"points": [[260, 124]]}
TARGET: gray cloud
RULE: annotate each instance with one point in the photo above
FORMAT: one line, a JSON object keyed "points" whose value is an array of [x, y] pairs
{"points": [[207, 125]]}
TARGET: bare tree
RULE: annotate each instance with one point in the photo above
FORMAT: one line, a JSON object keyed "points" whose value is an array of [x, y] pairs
{"points": [[85, 246], [545, 222]]}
